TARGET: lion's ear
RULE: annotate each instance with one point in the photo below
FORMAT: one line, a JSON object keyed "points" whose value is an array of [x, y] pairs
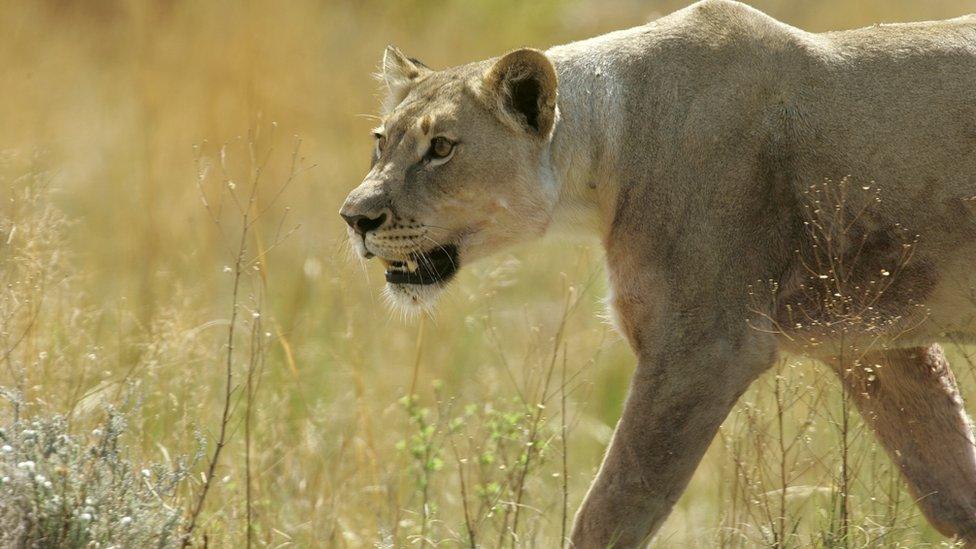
{"points": [[400, 74], [523, 86]]}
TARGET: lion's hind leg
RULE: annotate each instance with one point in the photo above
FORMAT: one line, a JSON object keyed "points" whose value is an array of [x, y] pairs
{"points": [[910, 399]]}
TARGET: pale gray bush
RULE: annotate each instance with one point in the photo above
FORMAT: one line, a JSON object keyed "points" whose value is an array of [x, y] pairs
{"points": [[59, 488]]}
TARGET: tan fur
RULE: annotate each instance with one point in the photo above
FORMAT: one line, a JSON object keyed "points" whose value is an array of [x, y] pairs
{"points": [[757, 188], [910, 399]]}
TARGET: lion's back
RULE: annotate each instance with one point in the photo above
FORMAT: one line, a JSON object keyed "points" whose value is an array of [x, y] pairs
{"points": [[893, 106]]}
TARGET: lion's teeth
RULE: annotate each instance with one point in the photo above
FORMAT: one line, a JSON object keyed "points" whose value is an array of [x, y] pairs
{"points": [[401, 266], [406, 266]]}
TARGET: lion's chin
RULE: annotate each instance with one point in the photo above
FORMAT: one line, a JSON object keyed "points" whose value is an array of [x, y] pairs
{"points": [[412, 299]]}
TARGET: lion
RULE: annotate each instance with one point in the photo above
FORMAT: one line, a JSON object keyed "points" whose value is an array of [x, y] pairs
{"points": [[758, 190]]}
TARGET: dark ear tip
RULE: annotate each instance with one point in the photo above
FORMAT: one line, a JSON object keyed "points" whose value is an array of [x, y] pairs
{"points": [[418, 62], [393, 54]]}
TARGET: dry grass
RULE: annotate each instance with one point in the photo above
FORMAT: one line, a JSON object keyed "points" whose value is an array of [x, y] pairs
{"points": [[344, 426]]}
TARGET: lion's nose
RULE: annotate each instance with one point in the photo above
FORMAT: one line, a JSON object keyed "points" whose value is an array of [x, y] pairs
{"points": [[362, 224]]}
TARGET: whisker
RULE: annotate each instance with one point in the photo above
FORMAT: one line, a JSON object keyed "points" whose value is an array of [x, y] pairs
{"points": [[351, 250], [418, 252], [449, 256]]}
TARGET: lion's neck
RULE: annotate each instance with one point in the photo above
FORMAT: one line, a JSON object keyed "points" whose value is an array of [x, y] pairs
{"points": [[585, 141]]}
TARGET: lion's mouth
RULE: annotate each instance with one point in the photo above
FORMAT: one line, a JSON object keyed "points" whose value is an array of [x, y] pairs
{"points": [[430, 267]]}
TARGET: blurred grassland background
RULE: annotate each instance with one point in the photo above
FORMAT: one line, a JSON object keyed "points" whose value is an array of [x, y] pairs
{"points": [[116, 284]]}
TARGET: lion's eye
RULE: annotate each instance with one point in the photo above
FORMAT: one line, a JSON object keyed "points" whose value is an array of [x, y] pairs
{"points": [[440, 147], [380, 140]]}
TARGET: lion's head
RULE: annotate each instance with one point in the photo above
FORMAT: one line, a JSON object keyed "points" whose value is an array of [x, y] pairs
{"points": [[460, 168]]}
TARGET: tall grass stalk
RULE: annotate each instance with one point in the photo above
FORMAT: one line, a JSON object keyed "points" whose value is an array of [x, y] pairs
{"points": [[245, 264]]}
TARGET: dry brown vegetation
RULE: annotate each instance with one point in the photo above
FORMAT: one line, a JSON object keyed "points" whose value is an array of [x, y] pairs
{"points": [[345, 427]]}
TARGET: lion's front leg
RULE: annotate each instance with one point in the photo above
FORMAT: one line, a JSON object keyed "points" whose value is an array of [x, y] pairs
{"points": [[678, 398]]}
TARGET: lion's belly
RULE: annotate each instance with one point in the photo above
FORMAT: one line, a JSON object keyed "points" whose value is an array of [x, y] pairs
{"points": [[951, 310], [926, 301]]}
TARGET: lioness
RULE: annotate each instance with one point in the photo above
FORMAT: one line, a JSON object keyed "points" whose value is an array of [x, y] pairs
{"points": [[757, 188]]}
